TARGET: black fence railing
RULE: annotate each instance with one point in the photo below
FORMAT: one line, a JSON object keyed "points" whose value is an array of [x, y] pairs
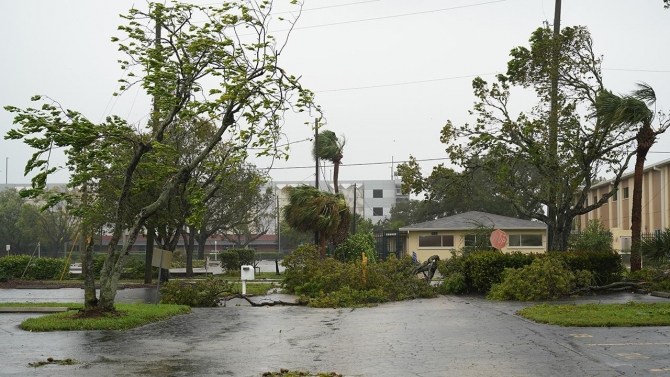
{"points": [[391, 242]]}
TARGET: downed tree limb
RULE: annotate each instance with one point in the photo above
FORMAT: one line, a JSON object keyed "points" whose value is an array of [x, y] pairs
{"points": [[613, 287], [265, 302], [428, 266]]}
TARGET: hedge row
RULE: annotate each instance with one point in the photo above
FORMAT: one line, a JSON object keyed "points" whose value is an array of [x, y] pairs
{"points": [[13, 267], [476, 272], [233, 259]]}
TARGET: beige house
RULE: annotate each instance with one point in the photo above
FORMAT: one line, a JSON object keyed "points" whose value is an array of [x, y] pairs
{"points": [[442, 236], [616, 213]]}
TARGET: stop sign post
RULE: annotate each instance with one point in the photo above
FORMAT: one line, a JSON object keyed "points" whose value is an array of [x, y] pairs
{"points": [[498, 239]]}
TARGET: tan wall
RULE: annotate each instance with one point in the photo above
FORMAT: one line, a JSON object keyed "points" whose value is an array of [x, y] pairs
{"points": [[424, 253], [615, 215]]}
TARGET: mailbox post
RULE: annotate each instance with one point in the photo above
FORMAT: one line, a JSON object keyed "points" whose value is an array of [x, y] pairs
{"points": [[246, 273]]}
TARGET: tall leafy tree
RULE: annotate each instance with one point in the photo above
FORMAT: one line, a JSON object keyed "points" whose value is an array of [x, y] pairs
{"points": [[310, 209], [633, 111], [449, 192], [55, 226], [291, 238], [196, 72], [14, 211], [516, 146], [330, 148]]}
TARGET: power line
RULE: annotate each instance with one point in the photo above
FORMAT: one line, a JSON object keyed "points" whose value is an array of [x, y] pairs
{"points": [[381, 163], [635, 70], [360, 164], [396, 15], [311, 9], [404, 83]]}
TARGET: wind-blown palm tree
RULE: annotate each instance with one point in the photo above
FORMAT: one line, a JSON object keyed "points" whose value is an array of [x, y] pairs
{"points": [[311, 209], [634, 110], [330, 149]]}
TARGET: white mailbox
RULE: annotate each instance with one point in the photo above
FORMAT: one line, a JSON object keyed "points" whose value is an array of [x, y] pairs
{"points": [[247, 273]]}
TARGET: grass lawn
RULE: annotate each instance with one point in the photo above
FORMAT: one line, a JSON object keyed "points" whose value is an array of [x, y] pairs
{"points": [[127, 316], [256, 289], [600, 315]]}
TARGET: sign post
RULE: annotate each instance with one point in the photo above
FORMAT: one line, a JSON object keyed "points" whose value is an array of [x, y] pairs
{"points": [[498, 239], [161, 259]]}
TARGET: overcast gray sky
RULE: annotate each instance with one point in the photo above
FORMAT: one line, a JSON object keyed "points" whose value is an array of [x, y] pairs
{"points": [[387, 73]]}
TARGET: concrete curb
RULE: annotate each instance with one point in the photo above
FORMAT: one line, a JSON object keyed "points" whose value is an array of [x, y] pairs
{"points": [[660, 294], [34, 309]]}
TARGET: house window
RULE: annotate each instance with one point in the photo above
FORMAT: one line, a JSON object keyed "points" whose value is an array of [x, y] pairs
{"points": [[527, 240], [436, 241], [472, 240], [377, 193], [614, 197], [595, 199], [377, 211], [625, 192]]}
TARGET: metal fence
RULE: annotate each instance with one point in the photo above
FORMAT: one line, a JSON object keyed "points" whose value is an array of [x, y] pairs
{"points": [[391, 242]]}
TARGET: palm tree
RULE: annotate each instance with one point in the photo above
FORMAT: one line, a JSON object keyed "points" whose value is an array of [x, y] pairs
{"points": [[634, 110], [311, 209], [330, 149]]}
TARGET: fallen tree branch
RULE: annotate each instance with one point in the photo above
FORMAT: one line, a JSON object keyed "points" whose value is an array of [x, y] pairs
{"points": [[429, 266], [265, 302], [613, 287]]}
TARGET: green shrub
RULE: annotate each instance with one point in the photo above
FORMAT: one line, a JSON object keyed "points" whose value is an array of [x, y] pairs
{"points": [[48, 268], [230, 261], [605, 266], [179, 260], [477, 271], [328, 282], [595, 238], [453, 284], [657, 249], [201, 293], [246, 257], [233, 259], [133, 267], [654, 278], [13, 267], [544, 278], [355, 246]]}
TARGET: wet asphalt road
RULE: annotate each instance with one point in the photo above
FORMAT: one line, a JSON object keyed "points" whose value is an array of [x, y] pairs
{"points": [[446, 336]]}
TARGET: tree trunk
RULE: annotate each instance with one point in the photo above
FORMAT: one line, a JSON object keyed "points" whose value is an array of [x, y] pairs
{"points": [[322, 244], [558, 233], [109, 279], [336, 173], [202, 241], [189, 242], [645, 139], [90, 298], [148, 256]]}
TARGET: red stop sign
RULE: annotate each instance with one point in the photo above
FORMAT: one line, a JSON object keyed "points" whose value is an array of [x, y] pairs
{"points": [[498, 239]]}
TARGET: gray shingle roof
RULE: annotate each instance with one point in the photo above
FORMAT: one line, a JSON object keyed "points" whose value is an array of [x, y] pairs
{"points": [[470, 220]]}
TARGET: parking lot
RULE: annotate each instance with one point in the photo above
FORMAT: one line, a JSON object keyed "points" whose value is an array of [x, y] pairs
{"points": [[445, 336]]}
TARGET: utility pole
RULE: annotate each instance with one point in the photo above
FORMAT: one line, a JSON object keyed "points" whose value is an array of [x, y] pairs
{"points": [[316, 158], [553, 123], [355, 192], [278, 236]]}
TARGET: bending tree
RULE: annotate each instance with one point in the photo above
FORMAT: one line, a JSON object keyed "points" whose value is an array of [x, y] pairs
{"points": [[196, 72], [516, 146], [310, 209], [633, 111], [330, 148]]}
